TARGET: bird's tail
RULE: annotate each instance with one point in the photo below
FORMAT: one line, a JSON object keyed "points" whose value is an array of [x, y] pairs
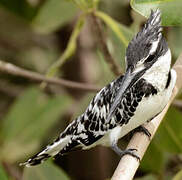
{"points": [[50, 151]]}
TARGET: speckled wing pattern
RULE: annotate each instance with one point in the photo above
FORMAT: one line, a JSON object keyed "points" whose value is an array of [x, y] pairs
{"points": [[91, 126]]}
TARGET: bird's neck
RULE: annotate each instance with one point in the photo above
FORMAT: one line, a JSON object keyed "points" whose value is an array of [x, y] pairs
{"points": [[157, 75]]}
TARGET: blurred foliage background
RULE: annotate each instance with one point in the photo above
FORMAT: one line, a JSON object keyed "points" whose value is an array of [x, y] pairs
{"points": [[70, 39]]}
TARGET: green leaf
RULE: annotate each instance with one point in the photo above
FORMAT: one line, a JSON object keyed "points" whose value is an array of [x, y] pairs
{"points": [[169, 135], [178, 176], [153, 159], [3, 175], [53, 14], [45, 171], [28, 121], [171, 10]]}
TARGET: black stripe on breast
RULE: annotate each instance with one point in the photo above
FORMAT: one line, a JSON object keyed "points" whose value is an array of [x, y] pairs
{"points": [[168, 80]]}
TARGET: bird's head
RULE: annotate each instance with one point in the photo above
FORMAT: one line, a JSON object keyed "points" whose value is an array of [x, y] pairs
{"points": [[147, 46]]}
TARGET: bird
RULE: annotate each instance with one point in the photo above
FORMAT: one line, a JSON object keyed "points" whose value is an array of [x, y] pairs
{"points": [[126, 103]]}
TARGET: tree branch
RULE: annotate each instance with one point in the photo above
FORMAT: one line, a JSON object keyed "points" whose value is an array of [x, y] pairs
{"points": [[128, 165], [14, 70], [101, 40]]}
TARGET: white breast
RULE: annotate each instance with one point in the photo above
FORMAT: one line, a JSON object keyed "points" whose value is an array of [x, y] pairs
{"points": [[157, 75]]}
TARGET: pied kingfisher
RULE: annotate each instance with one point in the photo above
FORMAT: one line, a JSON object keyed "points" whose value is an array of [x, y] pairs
{"points": [[127, 102]]}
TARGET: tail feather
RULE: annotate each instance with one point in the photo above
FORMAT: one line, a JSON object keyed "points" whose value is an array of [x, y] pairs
{"points": [[35, 160], [50, 151]]}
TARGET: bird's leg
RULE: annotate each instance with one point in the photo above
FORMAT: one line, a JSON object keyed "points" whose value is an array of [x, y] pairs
{"points": [[121, 153], [143, 130]]}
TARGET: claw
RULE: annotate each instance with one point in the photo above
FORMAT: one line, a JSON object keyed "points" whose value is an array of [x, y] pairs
{"points": [[143, 130], [130, 152], [122, 153]]}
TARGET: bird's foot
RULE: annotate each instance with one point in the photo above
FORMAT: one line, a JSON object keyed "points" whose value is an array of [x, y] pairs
{"points": [[125, 152], [143, 130], [130, 152]]}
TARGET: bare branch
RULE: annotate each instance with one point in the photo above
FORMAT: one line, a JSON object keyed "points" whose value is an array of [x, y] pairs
{"points": [[107, 55], [128, 165], [14, 70]]}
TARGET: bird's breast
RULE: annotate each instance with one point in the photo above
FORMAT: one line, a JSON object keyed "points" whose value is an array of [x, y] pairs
{"points": [[147, 108]]}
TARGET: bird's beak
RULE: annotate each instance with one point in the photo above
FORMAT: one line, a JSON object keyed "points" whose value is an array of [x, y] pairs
{"points": [[129, 79]]}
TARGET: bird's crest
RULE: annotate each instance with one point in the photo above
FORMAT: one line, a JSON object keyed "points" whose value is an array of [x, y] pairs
{"points": [[146, 41]]}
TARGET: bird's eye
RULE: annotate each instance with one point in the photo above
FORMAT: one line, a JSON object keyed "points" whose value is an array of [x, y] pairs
{"points": [[150, 58]]}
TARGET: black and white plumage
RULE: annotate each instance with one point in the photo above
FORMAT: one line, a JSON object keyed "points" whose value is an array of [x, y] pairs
{"points": [[127, 102]]}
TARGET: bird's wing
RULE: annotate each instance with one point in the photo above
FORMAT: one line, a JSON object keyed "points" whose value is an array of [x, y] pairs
{"points": [[92, 124]]}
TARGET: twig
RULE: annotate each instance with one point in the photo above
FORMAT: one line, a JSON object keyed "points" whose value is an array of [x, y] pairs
{"points": [[128, 165], [14, 70], [107, 55]]}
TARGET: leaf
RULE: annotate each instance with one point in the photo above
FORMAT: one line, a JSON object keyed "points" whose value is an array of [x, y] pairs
{"points": [[178, 176], [28, 121], [3, 175], [169, 135], [45, 171], [171, 10], [153, 159], [53, 14]]}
